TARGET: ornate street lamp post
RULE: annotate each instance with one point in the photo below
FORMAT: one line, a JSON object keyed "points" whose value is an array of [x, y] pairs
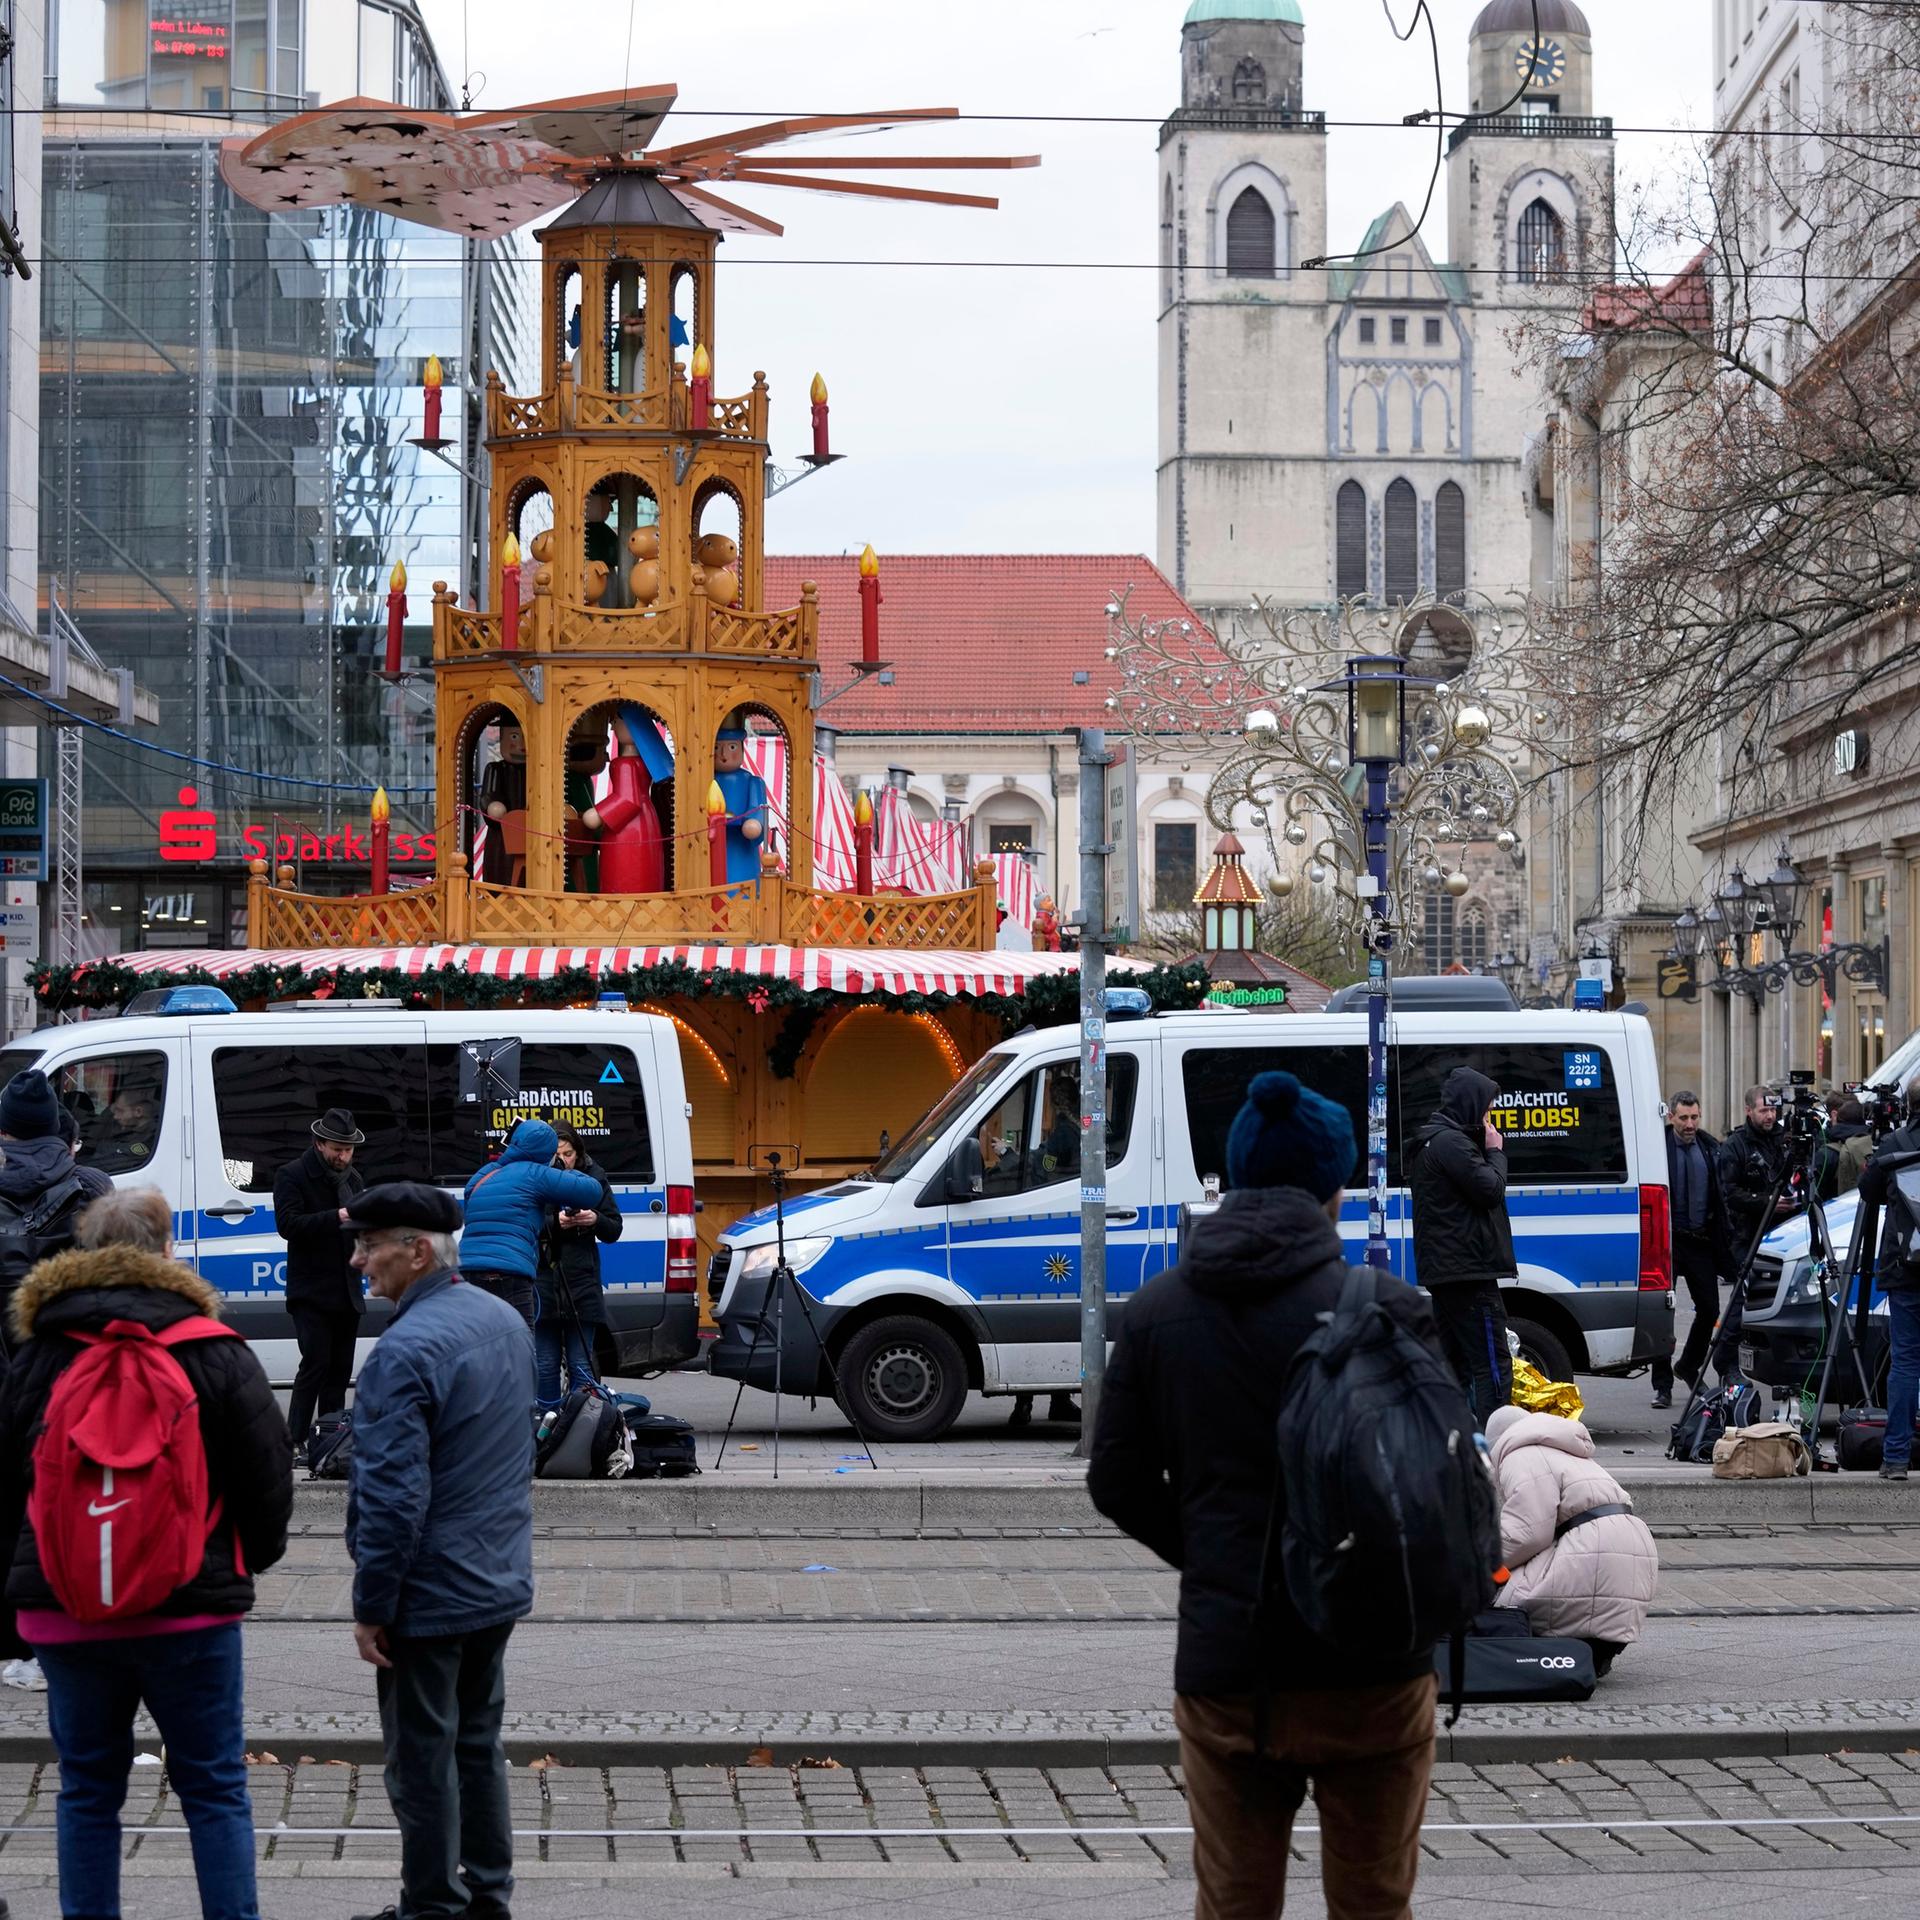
{"points": [[1376, 741], [1340, 746], [1775, 905]]}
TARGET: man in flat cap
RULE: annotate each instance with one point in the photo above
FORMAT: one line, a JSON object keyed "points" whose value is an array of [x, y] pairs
{"points": [[440, 1526], [324, 1301]]}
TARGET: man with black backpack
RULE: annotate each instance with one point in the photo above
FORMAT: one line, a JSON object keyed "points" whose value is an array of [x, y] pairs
{"points": [[1898, 1272], [1192, 1457], [41, 1188]]}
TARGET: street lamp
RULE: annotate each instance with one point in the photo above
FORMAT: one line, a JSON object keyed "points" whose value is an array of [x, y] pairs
{"points": [[1739, 904], [1689, 936], [1376, 742], [1786, 891], [1366, 757]]}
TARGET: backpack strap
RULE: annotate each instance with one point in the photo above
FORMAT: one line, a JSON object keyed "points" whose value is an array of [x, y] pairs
{"points": [[196, 1326], [51, 1204]]}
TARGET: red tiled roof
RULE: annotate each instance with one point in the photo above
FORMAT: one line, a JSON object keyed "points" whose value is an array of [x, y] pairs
{"points": [[1685, 301], [979, 642]]}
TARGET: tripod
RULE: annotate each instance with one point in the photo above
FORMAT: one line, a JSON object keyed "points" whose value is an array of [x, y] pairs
{"points": [[1722, 1354], [1838, 1323], [773, 1308]]}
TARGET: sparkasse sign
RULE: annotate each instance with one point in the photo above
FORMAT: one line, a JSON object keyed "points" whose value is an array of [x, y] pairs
{"points": [[191, 832]]}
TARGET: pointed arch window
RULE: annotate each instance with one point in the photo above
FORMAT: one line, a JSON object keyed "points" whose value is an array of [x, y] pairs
{"points": [[1471, 942], [1249, 84], [1251, 233], [1402, 541], [1450, 542], [1542, 246], [1350, 541]]}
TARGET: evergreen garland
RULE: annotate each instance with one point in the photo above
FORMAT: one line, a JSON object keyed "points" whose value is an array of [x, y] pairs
{"points": [[1050, 999]]}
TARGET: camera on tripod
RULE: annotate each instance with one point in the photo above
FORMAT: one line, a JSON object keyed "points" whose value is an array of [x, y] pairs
{"points": [[1886, 1108], [1797, 1107]]}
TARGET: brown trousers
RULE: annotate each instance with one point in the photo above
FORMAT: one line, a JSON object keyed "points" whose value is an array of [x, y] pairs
{"points": [[1369, 1755]]}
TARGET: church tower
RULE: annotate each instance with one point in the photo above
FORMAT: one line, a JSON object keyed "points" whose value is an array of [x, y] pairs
{"points": [[1530, 189], [1242, 192]]}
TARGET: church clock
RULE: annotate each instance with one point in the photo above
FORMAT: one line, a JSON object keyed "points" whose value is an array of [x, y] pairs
{"points": [[1540, 63]]}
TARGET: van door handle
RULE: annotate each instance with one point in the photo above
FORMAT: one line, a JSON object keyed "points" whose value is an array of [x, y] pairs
{"points": [[233, 1210], [1122, 1216]]}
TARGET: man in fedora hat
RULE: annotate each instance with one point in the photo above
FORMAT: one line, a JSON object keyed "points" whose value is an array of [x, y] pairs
{"points": [[324, 1297]]}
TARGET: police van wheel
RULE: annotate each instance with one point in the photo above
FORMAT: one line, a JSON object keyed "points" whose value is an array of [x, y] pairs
{"points": [[1541, 1349], [902, 1378]]}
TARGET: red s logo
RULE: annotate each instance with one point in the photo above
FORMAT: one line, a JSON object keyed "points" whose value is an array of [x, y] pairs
{"points": [[189, 831]]}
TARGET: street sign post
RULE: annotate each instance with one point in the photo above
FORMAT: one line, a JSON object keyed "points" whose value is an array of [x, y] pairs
{"points": [[23, 829], [1120, 865]]}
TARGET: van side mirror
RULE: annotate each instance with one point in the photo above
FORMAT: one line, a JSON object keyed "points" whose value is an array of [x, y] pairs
{"points": [[966, 1172]]}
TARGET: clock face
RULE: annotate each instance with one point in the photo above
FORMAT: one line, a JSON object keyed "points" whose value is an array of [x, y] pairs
{"points": [[1540, 63]]}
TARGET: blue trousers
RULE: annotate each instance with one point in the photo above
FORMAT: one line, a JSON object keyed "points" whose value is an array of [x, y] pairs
{"points": [[1903, 1374], [556, 1338], [190, 1683]]}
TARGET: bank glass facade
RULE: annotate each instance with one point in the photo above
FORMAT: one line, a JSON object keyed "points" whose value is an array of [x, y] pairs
{"points": [[226, 402]]}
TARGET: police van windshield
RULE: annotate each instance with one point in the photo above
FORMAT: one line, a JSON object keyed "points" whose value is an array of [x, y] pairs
{"points": [[901, 1160]]}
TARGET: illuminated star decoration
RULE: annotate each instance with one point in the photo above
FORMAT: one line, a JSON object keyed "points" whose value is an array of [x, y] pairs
{"points": [[1059, 1267]]}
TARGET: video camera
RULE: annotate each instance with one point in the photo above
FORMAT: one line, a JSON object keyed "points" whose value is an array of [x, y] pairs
{"points": [[1886, 1107], [1801, 1116]]}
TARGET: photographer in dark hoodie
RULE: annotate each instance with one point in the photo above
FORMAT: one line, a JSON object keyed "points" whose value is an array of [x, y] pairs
{"points": [[1462, 1241], [1185, 1458]]}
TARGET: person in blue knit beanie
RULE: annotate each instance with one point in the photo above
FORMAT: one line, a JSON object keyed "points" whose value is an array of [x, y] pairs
{"points": [[1184, 1460]]}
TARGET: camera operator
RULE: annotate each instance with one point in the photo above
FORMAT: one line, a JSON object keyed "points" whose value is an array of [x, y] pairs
{"points": [[1900, 1280], [1753, 1157]]}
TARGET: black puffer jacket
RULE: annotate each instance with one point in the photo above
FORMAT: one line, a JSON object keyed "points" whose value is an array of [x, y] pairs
{"points": [[1460, 1226], [1751, 1160], [307, 1198], [1184, 1453], [249, 1457], [570, 1258]]}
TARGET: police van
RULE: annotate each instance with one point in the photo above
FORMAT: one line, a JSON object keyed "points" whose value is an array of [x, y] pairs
{"points": [[952, 1265], [208, 1104]]}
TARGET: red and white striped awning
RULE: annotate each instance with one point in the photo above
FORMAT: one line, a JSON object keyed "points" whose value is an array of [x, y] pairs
{"points": [[850, 970]]}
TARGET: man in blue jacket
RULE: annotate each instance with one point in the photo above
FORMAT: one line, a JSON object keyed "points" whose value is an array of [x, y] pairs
{"points": [[440, 1526], [506, 1209]]}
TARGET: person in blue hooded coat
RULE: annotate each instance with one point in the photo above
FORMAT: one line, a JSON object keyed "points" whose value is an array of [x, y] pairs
{"points": [[506, 1208]]}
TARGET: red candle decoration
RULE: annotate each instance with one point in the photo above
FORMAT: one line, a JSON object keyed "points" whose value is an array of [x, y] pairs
{"points": [[379, 812], [510, 595], [702, 390], [396, 612], [430, 382], [819, 393], [716, 834], [863, 844], [869, 608]]}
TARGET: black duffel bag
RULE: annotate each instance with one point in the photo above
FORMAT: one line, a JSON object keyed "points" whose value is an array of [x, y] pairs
{"points": [[1505, 1662]]}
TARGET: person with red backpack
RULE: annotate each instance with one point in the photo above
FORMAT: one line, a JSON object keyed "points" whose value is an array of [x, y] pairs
{"points": [[145, 1478]]}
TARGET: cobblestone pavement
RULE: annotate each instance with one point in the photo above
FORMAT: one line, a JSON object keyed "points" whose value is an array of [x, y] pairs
{"points": [[613, 1577], [1839, 1810]]}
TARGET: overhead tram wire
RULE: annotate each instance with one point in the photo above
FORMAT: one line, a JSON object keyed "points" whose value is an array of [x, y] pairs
{"points": [[1401, 125], [1594, 277]]}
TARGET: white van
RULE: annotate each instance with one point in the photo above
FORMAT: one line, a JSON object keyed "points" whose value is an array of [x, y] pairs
{"points": [[953, 1264], [209, 1105]]}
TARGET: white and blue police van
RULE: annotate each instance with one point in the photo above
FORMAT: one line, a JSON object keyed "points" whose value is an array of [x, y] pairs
{"points": [[953, 1264], [186, 1094]]}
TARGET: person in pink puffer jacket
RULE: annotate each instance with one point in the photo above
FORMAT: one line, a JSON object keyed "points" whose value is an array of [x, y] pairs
{"points": [[1583, 1564]]}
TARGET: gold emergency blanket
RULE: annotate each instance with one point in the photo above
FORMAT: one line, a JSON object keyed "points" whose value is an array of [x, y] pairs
{"points": [[1534, 1391]]}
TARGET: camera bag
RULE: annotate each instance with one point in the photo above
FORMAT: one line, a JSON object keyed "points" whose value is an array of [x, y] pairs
{"points": [[662, 1446], [1709, 1417], [330, 1447], [1513, 1665]]}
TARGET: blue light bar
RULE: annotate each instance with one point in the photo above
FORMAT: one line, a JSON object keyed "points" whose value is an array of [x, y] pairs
{"points": [[177, 1000]]}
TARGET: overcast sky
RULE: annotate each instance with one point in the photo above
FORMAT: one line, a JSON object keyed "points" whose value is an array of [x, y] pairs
{"points": [[994, 410]]}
